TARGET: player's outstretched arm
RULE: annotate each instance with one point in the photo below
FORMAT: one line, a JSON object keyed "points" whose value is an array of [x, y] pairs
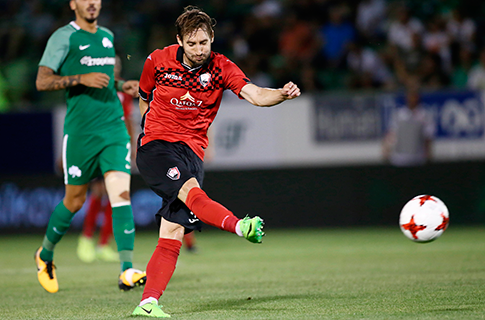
{"points": [[266, 97], [48, 81]]}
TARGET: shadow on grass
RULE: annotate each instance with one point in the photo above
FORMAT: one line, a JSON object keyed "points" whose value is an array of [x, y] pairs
{"points": [[251, 303]]}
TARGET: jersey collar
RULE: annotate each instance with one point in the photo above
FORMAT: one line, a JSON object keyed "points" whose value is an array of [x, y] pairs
{"points": [[76, 26], [180, 58]]}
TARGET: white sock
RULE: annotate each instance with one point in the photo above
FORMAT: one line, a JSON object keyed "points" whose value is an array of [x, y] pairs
{"points": [[238, 229], [148, 300]]}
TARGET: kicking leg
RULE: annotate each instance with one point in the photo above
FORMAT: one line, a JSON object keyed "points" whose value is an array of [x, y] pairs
{"points": [[215, 214]]}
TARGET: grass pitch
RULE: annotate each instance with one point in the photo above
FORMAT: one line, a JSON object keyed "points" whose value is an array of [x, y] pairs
{"points": [[360, 273]]}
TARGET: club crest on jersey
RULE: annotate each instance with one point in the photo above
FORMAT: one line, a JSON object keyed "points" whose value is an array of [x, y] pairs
{"points": [[107, 43], [173, 173], [205, 79]]}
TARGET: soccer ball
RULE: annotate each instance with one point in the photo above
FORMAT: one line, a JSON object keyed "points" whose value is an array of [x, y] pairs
{"points": [[424, 218]]}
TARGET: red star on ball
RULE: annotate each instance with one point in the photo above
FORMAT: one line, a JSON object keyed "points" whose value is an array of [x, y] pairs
{"points": [[413, 227], [443, 224], [425, 198]]}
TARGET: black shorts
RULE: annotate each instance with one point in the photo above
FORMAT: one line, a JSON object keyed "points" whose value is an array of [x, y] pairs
{"points": [[165, 167]]}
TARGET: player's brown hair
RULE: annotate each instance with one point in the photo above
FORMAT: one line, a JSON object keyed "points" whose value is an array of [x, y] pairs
{"points": [[192, 19]]}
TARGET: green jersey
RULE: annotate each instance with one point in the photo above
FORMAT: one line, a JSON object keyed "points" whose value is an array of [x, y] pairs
{"points": [[70, 51]]}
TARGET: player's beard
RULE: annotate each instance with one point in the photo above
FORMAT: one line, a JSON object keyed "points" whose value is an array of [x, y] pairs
{"points": [[91, 18], [197, 63]]}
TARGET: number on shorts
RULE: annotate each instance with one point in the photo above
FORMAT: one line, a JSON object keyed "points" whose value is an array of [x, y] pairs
{"points": [[128, 156]]}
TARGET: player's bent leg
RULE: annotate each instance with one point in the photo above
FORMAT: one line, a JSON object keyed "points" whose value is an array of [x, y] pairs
{"points": [[206, 209]]}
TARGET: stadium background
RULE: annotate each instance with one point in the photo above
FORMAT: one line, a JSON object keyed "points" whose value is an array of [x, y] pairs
{"points": [[317, 158]]}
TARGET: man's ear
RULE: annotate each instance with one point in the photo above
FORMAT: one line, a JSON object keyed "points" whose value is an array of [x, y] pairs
{"points": [[72, 4], [179, 40]]}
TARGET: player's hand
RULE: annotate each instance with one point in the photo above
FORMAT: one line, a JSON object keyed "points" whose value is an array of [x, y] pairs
{"points": [[131, 87], [290, 91], [96, 80]]}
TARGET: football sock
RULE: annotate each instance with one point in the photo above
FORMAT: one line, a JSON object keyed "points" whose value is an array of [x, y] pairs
{"points": [[189, 240], [59, 222], [160, 268], [107, 229], [91, 214], [210, 212], [124, 233], [148, 300]]}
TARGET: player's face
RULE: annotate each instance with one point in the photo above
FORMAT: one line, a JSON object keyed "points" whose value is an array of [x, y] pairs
{"points": [[86, 9], [197, 47]]}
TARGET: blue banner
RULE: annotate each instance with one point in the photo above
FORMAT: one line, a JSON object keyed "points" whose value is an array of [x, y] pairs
{"points": [[457, 115]]}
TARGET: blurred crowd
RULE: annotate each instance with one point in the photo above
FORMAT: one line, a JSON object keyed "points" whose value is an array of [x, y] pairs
{"points": [[319, 44]]}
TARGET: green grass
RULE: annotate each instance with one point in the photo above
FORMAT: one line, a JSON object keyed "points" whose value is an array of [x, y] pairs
{"points": [[367, 273]]}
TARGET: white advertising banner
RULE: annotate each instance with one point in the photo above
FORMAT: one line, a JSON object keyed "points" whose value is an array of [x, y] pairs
{"points": [[337, 130]]}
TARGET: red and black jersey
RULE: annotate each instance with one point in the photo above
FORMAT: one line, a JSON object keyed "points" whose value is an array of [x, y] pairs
{"points": [[184, 101]]}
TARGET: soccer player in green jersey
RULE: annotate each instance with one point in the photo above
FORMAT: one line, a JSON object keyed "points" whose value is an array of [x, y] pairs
{"points": [[80, 58]]}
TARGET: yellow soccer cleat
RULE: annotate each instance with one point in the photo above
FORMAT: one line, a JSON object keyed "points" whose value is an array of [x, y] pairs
{"points": [[131, 278], [46, 273]]}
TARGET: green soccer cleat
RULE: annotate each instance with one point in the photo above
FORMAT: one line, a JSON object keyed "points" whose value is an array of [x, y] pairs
{"points": [[131, 278], [252, 229], [151, 309]]}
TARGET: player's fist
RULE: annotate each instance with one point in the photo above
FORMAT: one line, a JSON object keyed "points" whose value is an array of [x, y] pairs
{"points": [[97, 80], [131, 87], [290, 91]]}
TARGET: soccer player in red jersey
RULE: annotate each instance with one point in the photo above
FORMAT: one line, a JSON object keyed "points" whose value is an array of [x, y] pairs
{"points": [[181, 89]]}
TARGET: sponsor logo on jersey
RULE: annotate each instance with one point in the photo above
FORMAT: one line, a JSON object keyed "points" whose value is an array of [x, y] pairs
{"points": [[107, 43], [74, 171], [186, 102], [173, 173], [205, 79], [81, 47], [172, 76], [90, 62]]}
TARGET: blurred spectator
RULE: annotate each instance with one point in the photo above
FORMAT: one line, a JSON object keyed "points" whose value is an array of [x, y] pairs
{"points": [[459, 77], [336, 35], [370, 18], [476, 76], [367, 68], [298, 46], [267, 8], [408, 141], [430, 74], [407, 63], [461, 29], [403, 30], [437, 41]]}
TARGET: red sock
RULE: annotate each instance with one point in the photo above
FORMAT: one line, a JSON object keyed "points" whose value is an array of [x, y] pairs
{"points": [[161, 267], [107, 229], [210, 212], [91, 214], [189, 240]]}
